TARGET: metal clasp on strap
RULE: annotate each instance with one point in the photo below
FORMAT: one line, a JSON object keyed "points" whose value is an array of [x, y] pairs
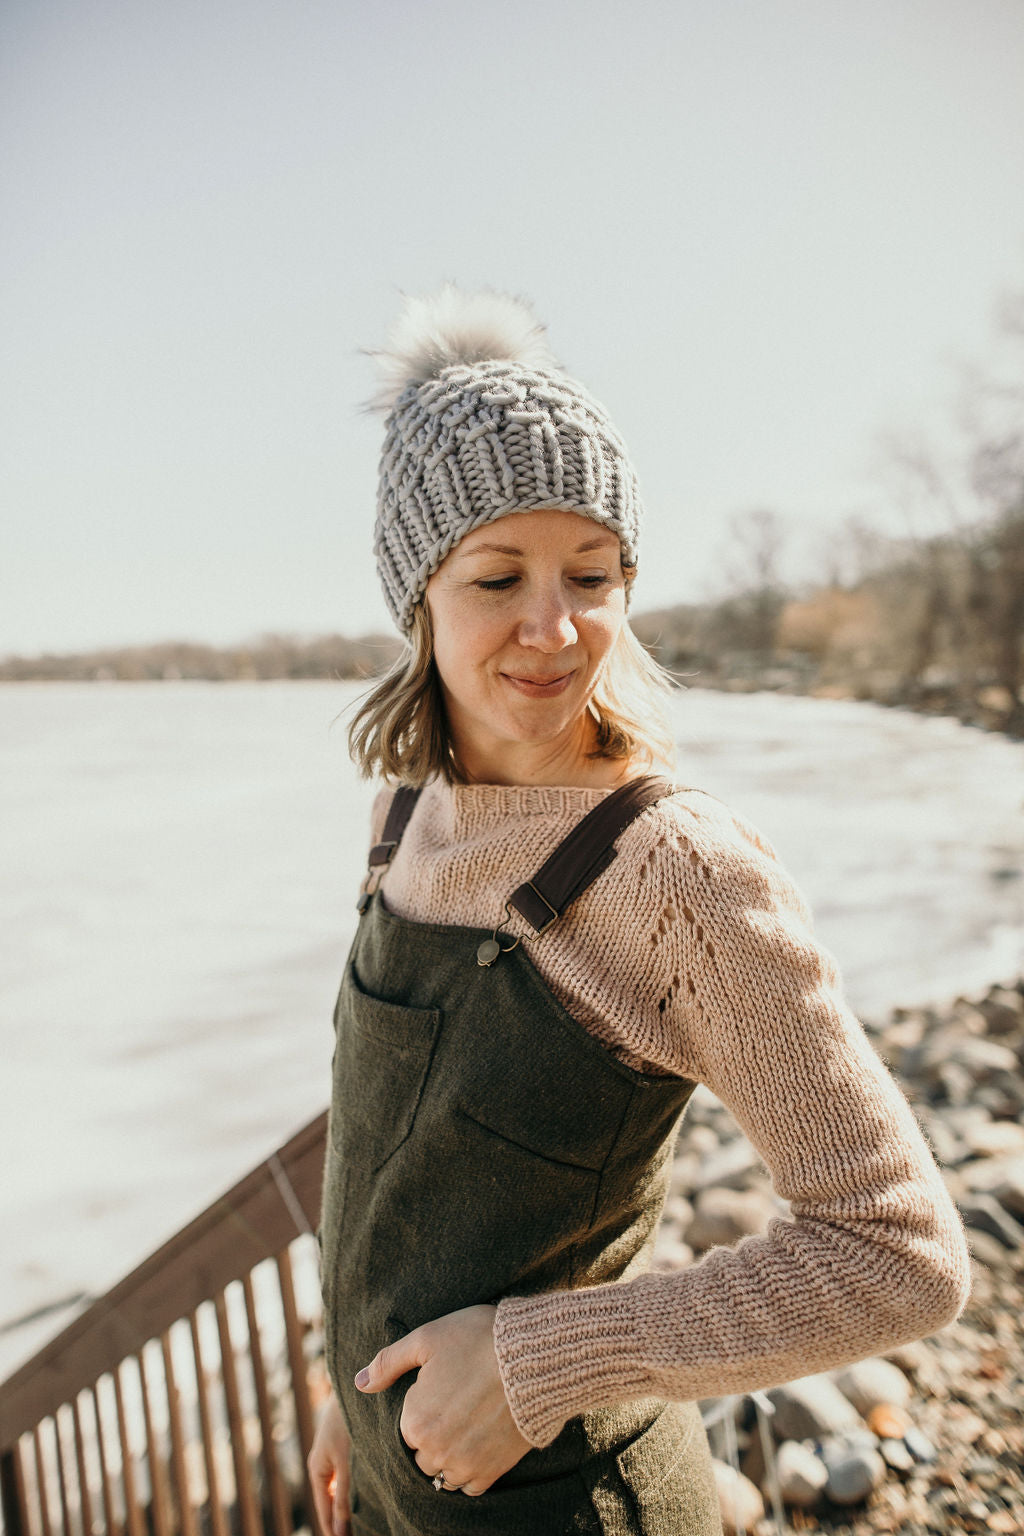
{"points": [[491, 948]]}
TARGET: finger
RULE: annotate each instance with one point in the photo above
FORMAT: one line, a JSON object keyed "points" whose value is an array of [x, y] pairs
{"points": [[340, 1512], [322, 1492], [391, 1362]]}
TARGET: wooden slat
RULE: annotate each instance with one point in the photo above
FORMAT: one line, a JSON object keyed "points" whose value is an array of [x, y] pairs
{"points": [[297, 1367], [101, 1452], [244, 1499], [84, 1498], [12, 1493], [179, 1473], [218, 1525], [41, 1494], [276, 1500], [62, 1478], [250, 1223], [159, 1511], [133, 1518]]}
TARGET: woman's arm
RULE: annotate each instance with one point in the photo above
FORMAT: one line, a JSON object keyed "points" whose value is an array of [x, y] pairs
{"points": [[876, 1252]]}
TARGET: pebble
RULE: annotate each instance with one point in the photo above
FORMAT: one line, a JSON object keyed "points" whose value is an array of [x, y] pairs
{"points": [[853, 1476], [995, 1138], [918, 1444], [726, 1215], [985, 1213], [811, 1408], [1009, 1191], [728, 1167], [671, 1253], [871, 1383], [888, 1422], [896, 1454], [802, 1475], [739, 1500]]}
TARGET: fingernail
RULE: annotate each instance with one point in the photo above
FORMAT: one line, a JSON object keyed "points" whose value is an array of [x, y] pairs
{"points": [[363, 1379]]}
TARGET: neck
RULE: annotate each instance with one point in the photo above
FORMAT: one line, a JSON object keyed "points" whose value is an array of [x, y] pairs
{"points": [[562, 762]]}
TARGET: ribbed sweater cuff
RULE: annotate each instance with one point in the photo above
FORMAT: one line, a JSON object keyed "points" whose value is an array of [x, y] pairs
{"points": [[565, 1352]]}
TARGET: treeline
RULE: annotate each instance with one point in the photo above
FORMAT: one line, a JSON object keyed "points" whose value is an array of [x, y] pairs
{"points": [[270, 657], [935, 625], [931, 617]]}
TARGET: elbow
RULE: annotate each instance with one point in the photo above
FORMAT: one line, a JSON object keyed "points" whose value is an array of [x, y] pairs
{"points": [[935, 1284]]}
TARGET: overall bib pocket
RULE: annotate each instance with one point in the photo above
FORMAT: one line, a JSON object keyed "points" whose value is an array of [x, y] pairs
{"points": [[382, 1057]]}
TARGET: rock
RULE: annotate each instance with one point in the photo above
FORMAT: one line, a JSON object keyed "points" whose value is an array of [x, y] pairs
{"points": [[987, 1250], [802, 1474], [965, 1426], [1003, 1011], [983, 1058], [1009, 1190], [896, 1455], [985, 1213], [986, 1174], [995, 1138], [671, 1253], [835, 1447], [867, 1383], [728, 1167], [739, 1502], [947, 1147], [678, 1212], [918, 1444], [888, 1422], [810, 1409], [726, 1215], [852, 1477], [703, 1139], [910, 1357]]}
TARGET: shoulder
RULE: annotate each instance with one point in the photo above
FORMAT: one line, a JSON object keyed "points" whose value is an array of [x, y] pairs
{"points": [[691, 838]]}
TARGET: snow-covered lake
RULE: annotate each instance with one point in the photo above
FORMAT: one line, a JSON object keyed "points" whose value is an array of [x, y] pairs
{"points": [[178, 866]]}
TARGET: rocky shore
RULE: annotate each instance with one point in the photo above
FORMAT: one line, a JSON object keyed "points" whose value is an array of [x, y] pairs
{"points": [[930, 1439]]}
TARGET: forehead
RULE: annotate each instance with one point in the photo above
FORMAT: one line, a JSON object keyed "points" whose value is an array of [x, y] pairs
{"points": [[522, 533]]}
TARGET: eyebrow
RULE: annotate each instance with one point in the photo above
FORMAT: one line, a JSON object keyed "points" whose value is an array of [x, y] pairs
{"points": [[512, 549]]}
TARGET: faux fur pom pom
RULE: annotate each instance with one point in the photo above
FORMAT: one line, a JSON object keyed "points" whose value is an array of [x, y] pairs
{"points": [[452, 326]]}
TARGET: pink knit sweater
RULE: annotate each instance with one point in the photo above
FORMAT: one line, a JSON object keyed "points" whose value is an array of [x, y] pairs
{"points": [[693, 955]]}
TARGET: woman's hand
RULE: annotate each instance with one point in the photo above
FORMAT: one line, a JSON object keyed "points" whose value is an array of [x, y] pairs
{"points": [[327, 1465], [455, 1415]]}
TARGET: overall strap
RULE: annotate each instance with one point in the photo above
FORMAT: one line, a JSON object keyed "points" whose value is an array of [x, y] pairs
{"points": [[586, 852], [401, 808]]}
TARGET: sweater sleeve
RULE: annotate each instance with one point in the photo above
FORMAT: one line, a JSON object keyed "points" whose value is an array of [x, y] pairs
{"points": [[875, 1253]]}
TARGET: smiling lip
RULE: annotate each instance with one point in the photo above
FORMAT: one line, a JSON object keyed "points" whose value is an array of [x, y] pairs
{"points": [[539, 688]]}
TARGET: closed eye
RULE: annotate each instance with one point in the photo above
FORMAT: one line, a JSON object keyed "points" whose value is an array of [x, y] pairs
{"points": [[503, 583]]}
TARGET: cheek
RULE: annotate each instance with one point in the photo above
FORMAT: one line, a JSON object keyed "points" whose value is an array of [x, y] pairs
{"points": [[461, 648]]}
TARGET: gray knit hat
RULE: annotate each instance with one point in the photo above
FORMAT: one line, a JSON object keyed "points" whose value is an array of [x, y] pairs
{"points": [[483, 421]]}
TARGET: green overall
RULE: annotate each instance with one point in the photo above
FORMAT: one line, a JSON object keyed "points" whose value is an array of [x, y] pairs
{"points": [[483, 1144]]}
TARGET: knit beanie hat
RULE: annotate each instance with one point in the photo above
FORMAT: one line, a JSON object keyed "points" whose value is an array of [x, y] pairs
{"points": [[483, 421]]}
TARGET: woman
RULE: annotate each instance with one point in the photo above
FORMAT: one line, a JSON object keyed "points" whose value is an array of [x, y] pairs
{"points": [[554, 946]]}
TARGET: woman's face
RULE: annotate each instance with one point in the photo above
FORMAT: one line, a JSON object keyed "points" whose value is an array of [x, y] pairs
{"points": [[525, 612]]}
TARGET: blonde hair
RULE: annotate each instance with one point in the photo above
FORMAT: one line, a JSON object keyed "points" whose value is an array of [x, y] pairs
{"points": [[400, 729]]}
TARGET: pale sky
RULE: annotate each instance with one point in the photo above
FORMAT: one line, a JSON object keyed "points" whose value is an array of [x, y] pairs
{"points": [[761, 231]]}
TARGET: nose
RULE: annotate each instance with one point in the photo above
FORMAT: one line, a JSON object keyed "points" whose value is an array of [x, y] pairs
{"points": [[547, 624]]}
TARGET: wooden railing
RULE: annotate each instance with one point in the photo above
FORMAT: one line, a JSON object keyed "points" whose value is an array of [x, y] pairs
{"points": [[180, 1403]]}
